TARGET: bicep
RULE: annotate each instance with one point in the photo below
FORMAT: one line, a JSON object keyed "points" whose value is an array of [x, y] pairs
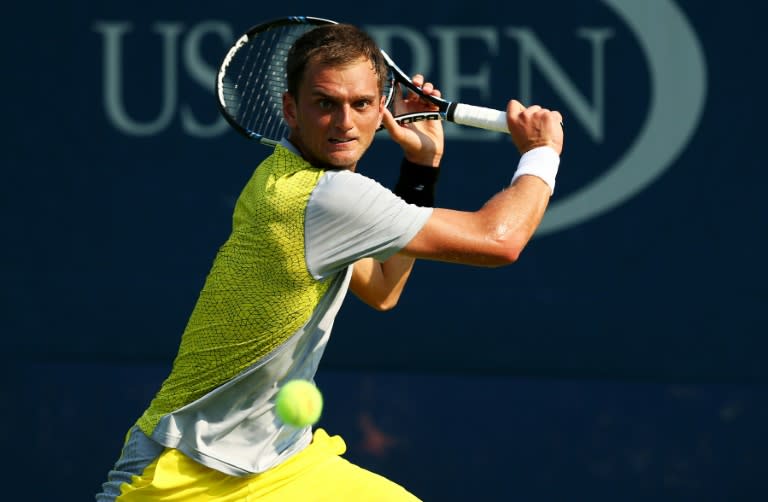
{"points": [[363, 275], [380, 284], [366, 280]]}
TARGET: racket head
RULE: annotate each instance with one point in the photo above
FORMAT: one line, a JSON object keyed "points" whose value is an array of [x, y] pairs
{"points": [[251, 79]]}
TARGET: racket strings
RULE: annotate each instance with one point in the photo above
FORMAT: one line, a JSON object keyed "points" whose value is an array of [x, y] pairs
{"points": [[255, 80], [261, 84]]}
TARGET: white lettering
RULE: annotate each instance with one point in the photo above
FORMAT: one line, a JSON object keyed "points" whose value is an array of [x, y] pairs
{"points": [[532, 51], [203, 74], [452, 80], [412, 49], [113, 78]]}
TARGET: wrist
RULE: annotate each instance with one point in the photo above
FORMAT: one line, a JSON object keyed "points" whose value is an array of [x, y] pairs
{"points": [[542, 162], [432, 161], [416, 184]]}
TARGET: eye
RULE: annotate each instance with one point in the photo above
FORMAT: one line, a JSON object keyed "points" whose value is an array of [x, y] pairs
{"points": [[325, 104], [362, 104]]}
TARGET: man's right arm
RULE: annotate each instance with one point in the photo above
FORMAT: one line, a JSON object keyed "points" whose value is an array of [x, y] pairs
{"points": [[497, 233]]}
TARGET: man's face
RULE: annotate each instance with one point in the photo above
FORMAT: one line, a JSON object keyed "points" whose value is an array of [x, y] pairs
{"points": [[336, 113]]}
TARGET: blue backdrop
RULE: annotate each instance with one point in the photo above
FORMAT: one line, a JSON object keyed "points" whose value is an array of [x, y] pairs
{"points": [[643, 293]]}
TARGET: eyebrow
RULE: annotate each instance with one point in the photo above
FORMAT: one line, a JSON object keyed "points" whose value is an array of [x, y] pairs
{"points": [[320, 94]]}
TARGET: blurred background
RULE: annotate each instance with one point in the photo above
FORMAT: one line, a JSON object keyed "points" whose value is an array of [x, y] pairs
{"points": [[623, 356]]}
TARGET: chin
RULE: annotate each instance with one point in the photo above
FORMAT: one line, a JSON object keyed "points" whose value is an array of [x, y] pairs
{"points": [[344, 161]]}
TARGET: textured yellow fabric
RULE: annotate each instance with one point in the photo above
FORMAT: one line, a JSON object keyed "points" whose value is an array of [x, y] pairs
{"points": [[258, 292], [317, 474]]}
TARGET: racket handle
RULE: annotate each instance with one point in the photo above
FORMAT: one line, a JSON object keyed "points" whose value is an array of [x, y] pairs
{"points": [[477, 116]]}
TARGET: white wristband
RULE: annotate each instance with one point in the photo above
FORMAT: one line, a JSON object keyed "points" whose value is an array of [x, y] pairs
{"points": [[541, 162]]}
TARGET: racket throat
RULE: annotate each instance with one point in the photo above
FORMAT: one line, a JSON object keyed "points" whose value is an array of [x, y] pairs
{"points": [[450, 112], [410, 118]]}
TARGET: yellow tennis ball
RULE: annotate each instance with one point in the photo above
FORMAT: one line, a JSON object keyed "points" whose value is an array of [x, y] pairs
{"points": [[299, 403]]}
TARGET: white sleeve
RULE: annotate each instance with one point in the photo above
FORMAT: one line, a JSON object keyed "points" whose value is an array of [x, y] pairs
{"points": [[350, 216]]}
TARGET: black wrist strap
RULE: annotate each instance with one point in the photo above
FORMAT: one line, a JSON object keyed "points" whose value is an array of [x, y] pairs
{"points": [[416, 184]]}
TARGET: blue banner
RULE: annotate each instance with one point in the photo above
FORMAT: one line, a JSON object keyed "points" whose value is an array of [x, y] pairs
{"points": [[120, 179]]}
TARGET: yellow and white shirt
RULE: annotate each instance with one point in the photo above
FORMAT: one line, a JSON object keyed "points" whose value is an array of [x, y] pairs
{"points": [[265, 313]]}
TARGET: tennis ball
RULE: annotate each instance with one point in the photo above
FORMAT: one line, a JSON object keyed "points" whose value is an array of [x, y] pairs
{"points": [[299, 403]]}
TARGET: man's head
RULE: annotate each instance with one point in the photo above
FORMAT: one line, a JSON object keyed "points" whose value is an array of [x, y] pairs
{"points": [[334, 102], [333, 45]]}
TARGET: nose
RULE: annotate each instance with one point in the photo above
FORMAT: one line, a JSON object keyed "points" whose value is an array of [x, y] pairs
{"points": [[343, 118]]}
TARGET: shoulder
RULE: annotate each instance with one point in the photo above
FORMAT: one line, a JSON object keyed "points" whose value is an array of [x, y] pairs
{"points": [[344, 190]]}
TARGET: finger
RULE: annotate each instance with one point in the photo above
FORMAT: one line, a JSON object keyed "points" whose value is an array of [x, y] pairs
{"points": [[514, 108], [430, 89], [533, 110], [550, 116]]}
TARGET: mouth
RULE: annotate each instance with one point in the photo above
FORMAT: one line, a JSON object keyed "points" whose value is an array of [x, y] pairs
{"points": [[341, 141]]}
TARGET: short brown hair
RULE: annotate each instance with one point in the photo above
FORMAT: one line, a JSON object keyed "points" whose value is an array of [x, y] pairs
{"points": [[332, 45]]}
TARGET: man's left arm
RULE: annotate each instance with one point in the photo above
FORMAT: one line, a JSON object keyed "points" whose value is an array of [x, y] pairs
{"points": [[380, 284]]}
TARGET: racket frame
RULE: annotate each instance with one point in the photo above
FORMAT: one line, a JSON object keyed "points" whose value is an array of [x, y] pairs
{"points": [[451, 111], [242, 41]]}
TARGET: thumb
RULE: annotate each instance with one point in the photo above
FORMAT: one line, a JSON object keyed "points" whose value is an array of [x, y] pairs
{"points": [[388, 121], [393, 128]]}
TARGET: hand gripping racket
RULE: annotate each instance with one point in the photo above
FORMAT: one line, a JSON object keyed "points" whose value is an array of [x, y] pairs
{"points": [[251, 82]]}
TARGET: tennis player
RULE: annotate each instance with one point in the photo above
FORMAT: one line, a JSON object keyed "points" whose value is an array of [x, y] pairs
{"points": [[307, 228]]}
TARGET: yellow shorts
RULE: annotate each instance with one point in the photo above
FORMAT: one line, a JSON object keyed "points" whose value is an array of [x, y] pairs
{"points": [[316, 474]]}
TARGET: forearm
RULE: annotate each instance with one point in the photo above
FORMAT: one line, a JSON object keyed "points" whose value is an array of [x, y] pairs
{"points": [[514, 214], [511, 217], [380, 284]]}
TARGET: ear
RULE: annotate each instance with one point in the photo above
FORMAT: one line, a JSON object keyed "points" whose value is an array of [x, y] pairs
{"points": [[289, 110], [382, 107]]}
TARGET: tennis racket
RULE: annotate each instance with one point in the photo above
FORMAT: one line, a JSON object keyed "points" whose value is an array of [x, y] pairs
{"points": [[251, 82]]}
